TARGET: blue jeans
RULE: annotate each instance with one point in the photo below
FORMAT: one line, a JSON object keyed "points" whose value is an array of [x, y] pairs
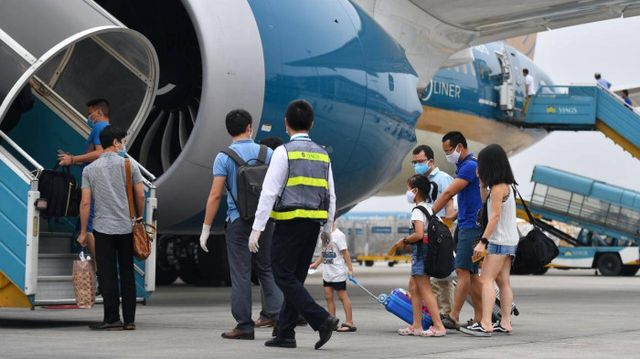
{"points": [[418, 252], [501, 249], [464, 249]]}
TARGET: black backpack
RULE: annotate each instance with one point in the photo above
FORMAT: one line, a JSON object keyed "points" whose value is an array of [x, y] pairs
{"points": [[61, 191], [535, 250], [249, 178], [438, 262]]}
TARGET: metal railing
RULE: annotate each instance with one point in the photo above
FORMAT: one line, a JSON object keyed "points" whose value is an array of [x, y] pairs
{"points": [[38, 167]]}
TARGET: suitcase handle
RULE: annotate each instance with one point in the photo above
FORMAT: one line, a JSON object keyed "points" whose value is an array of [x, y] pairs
{"points": [[380, 299]]}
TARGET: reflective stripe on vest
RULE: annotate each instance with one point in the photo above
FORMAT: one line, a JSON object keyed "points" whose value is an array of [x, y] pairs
{"points": [[300, 213], [306, 191], [309, 156], [307, 181]]}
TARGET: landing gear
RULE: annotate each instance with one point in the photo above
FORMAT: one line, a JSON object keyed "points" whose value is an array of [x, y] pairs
{"points": [[368, 263], [181, 256]]}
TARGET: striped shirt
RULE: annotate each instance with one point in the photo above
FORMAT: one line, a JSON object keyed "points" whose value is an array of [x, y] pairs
{"points": [[106, 180]]}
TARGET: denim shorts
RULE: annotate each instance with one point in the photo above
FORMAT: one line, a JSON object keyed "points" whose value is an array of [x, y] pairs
{"points": [[418, 253], [501, 249], [464, 248]]}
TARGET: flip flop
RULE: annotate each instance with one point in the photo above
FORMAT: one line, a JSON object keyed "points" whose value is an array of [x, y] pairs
{"points": [[346, 328]]}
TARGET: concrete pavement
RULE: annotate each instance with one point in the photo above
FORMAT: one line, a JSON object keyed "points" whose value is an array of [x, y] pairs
{"points": [[563, 314]]}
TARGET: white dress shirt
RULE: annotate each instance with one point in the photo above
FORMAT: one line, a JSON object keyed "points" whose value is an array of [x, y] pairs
{"points": [[275, 181]]}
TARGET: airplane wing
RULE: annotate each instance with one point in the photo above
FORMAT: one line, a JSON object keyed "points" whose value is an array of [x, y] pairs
{"points": [[432, 30]]}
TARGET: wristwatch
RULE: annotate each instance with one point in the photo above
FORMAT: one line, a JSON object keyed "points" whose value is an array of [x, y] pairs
{"points": [[484, 241]]}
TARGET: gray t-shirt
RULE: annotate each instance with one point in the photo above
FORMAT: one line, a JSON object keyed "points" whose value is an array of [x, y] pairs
{"points": [[106, 180]]}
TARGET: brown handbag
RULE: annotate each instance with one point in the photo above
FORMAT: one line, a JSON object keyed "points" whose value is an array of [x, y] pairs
{"points": [[142, 232]]}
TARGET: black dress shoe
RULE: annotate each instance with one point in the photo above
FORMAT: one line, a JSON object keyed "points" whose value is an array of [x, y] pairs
{"points": [[129, 326], [326, 329], [280, 343], [107, 326]]}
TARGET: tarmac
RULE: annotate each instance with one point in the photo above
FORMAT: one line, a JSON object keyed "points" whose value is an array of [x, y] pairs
{"points": [[563, 314]]}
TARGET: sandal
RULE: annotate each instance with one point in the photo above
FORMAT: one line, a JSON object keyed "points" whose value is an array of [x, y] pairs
{"points": [[408, 331], [346, 328], [432, 332]]}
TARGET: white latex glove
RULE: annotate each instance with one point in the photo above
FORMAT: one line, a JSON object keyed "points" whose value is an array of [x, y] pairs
{"points": [[204, 236], [253, 241]]}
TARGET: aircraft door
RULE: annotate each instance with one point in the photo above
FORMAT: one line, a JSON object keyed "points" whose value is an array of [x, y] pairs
{"points": [[507, 88]]}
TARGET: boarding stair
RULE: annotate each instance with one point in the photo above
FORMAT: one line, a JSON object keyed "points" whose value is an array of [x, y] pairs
{"points": [[584, 108], [61, 60]]}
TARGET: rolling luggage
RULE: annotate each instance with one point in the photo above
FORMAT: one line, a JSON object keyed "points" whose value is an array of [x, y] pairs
{"points": [[397, 302]]}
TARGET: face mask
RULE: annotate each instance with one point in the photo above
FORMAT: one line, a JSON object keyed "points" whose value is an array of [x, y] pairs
{"points": [[122, 152], [421, 168], [411, 197], [453, 157]]}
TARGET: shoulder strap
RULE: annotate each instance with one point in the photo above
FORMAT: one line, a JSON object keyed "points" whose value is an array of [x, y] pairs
{"points": [[425, 211], [262, 155], [524, 204], [128, 179], [234, 156]]}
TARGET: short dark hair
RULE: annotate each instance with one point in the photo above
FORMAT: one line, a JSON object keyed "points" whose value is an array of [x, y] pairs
{"points": [[597, 75], [494, 167], [625, 92], [272, 142], [424, 148], [110, 133], [101, 103], [300, 115], [455, 138], [428, 191], [237, 121], [525, 70]]}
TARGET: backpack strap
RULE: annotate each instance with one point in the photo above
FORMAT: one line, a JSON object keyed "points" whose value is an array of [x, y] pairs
{"points": [[234, 156], [262, 155], [425, 211]]}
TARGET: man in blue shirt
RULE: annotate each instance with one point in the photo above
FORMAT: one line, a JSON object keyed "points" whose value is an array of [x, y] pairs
{"points": [[627, 100], [466, 186], [98, 118], [602, 82], [238, 123]]}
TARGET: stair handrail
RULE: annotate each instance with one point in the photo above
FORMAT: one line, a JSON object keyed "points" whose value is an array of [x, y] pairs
{"points": [[23, 153]]}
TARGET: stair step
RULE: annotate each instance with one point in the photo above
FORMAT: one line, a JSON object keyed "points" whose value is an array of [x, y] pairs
{"points": [[55, 244], [55, 289], [56, 235], [55, 264]]}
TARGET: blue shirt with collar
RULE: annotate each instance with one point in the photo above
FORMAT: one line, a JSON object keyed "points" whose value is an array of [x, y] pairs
{"points": [[443, 180], [224, 166], [469, 200]]}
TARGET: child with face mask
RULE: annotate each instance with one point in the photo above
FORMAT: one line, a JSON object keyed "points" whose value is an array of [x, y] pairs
{"points": [[418, 193]]}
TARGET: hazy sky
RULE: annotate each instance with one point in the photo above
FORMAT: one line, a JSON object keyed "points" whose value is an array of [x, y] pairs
{"points": [[572, 55]]}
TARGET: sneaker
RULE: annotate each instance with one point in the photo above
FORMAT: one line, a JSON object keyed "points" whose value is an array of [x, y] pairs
{"points": [[476, 330], [448, 322], [497, 328]]}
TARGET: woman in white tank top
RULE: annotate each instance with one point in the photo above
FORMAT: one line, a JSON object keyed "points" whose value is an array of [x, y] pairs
{"points": [[500, 239]]}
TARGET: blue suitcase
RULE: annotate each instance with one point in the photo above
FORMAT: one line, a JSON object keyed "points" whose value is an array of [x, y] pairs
{"points": [[398, 303]]}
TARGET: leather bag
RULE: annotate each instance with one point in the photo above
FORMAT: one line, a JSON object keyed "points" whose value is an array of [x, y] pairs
{"points": [[142, 233]]}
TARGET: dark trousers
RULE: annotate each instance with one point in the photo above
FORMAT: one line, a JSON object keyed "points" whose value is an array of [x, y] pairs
{"points": [[109, 248], [293, 245]]}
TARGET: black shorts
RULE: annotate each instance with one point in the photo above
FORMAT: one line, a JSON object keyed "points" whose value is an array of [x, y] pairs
{"points": [[335, 285]]}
